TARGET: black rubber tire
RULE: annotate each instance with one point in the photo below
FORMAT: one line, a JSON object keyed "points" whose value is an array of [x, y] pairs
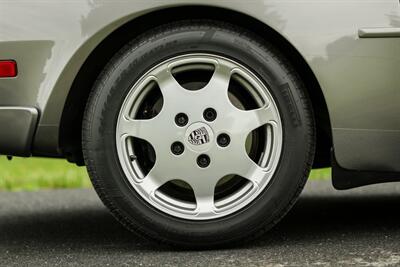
{"points": [[113, 84]]}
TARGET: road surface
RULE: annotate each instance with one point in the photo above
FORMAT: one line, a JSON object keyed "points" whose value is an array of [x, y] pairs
{"points": [[359, 227]]}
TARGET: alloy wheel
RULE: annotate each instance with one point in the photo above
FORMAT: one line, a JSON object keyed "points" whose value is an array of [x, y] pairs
{"points": [[199, 136]]}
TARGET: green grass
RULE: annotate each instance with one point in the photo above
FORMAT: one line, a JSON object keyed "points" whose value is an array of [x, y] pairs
{"points": [[30, 174], [320, 174], [35, 173]]}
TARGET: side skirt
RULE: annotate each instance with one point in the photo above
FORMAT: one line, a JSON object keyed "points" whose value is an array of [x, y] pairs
{"points": [[17, 127]]}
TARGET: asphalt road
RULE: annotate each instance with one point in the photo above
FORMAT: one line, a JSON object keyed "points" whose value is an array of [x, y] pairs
{"points": [[326, 228]]}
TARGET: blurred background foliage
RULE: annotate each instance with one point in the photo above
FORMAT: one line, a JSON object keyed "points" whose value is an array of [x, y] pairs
{"points": [[30, 174]]}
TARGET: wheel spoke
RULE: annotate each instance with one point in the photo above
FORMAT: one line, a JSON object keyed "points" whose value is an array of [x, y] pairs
{"points": [[169, 86], [252, 119], [204, 194], [250, 170], [153, 180], [143, 129], [220, 79]]}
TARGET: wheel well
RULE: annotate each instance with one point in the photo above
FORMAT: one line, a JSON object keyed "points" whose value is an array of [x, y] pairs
{"points": [[71, 121]]}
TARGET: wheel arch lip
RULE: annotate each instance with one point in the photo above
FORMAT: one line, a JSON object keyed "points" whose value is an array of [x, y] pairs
{"points": [[56, 116]]}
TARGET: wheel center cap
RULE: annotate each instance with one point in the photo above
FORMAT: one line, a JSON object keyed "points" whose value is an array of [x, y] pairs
{"points": [[199, 136]]}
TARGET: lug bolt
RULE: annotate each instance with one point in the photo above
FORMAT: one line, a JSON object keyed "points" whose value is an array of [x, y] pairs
{"points": [[181, 119], [203, 161], [209, 114], [177, 148], [223, 140]]}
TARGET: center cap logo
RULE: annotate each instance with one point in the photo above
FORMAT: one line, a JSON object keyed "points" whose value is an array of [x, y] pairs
{"points": [[199, 136]]}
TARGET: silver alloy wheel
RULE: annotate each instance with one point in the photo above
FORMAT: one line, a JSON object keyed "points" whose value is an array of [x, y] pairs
{"points": [[199, 137]]}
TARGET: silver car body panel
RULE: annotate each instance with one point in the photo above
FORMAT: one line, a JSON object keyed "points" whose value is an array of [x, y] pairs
{"points": [[359, 77]]}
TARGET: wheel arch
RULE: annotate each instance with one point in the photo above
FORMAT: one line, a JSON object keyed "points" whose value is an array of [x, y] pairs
{"points": [[71, 120]]}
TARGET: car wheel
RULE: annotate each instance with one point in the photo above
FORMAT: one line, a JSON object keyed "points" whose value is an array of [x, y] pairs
{"points": [[198, 134]]}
